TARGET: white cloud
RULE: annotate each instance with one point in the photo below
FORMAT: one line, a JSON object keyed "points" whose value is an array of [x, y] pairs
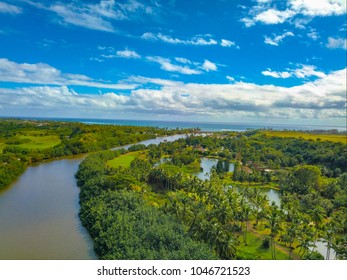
{"points": [[183, 65], [230, 79], [9, 9], [321, 99], [44, 74], [128, 54], [338, 43], [209, 66], [95, 16], [302, 72], [275, 74], [167, 65], [183, 60], [91, 16], [276, 40], [227, 43], [273, 16], [196, 40], [318, 7], [313, 35], [266, 12]]}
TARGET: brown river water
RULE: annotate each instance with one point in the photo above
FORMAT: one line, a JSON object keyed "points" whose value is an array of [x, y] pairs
{"points": [[39, 213]]}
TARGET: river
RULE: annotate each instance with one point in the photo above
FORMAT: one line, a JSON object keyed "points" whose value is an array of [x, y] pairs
{"points": [[39, 213]]}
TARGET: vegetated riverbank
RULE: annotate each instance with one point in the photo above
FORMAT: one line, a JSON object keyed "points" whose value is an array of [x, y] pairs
{"points": [[228, 221], [39, 213], [24, 142]]}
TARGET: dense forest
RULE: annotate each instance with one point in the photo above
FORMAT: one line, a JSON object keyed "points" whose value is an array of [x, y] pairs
{"points": [[228, 212], [23, 142]]}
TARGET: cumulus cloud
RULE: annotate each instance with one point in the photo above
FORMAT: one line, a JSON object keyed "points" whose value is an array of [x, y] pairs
{"points": [[337, 43], [209, 66], [276, 40], [320, 99], [44, 74], [266, 12], [9, 9], [128, 54], [273, 16], [318, 7], [304, 71]]}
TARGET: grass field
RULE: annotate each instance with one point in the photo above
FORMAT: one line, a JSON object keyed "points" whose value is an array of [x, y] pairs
{"points": [[307, 136], [124, 160], [2, 146], [39, 142], [254, 247], [31, 142]]}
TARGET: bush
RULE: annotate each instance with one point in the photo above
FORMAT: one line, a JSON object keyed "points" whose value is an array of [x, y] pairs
{"points": [[266, 243], [313, 256]]}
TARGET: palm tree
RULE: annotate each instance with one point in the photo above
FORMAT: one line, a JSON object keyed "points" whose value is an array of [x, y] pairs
{"points": [[274, 223], [317, 214], [328, 234], [305, 239], [288, 236], [245, 213]]}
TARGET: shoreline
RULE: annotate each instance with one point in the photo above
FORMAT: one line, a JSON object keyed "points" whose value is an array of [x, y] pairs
{"points": [[206, 127]]}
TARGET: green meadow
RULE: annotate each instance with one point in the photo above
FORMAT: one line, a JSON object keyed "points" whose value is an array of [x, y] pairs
{"points": [[316, 137], [123, 160]]}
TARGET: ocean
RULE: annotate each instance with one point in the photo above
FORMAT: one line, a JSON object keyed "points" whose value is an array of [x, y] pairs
{"points": [[204, 126]]}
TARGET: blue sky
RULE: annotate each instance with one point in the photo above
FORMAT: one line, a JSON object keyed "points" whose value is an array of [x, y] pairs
{"points": [[259, 61]]}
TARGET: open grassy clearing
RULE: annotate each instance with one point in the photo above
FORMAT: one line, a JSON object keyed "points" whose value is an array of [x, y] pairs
{"points": [[124, 160], [39, 142], [307, 136], [31, 142], [254, 247]]}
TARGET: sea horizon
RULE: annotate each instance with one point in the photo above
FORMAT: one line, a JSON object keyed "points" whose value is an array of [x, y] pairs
{"points": [[203, 126]]}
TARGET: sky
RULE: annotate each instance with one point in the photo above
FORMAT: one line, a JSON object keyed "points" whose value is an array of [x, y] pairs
{"points": [[251, 61]]}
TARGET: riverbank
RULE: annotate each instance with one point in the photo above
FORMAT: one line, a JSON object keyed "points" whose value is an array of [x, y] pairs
{"points": [[39, 211]]}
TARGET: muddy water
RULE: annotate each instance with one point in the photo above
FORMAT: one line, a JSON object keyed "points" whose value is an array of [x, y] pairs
{"points": [[39, 213]]}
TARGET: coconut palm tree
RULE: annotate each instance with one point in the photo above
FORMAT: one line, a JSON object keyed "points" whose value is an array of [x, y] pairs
{"points": [[274, 223], [317, 214], [305, 239]]}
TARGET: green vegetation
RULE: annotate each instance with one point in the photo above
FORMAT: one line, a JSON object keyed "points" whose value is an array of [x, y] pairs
{"points": [[231, 223], [255, 249], [34, 142], [146, 203], [123, 224], [123, 160], [23, 142], [338, 138]]}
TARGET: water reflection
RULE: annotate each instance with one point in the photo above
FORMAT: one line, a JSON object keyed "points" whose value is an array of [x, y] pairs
{"points": [[207, 164]]}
